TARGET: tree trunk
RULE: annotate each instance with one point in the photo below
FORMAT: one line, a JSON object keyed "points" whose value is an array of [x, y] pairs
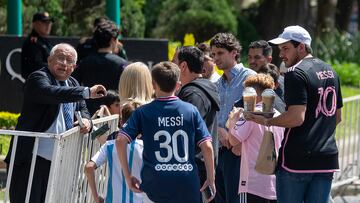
{"points": [[343, 13], [275, 15], [326, 16]]}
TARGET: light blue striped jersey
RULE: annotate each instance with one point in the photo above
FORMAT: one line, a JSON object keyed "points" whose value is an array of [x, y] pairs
{"points": [[117, 190]]}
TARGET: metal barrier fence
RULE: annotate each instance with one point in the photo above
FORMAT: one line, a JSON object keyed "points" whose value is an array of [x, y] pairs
{"points": [[67, 181], [347, 137]]}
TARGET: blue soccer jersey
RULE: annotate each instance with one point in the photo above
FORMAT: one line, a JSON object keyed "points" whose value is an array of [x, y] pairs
{"points": [[170, 130]]}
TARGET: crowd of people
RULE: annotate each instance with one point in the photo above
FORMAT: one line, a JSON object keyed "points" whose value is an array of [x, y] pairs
{"points": [[185, 133]]}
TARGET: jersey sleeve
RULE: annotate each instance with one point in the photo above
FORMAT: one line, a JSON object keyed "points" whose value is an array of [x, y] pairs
{"points": [[339, 100], [132, 126], [201, 132], [295, 88], [101, 156]]}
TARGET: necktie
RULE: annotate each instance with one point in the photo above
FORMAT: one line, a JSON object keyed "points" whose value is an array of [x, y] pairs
{"points": [[67, 111]]}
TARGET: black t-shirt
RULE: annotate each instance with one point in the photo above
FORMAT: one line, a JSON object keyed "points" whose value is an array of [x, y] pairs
{"points": [[312, 146], [99, 68]]}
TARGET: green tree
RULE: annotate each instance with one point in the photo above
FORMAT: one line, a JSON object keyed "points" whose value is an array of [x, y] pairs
{"points": [[132, 18], [151, 10], [203, 18], [3, 18]]}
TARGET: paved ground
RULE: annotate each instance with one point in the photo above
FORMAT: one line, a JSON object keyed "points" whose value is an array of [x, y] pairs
{"points": [[347, 199], [348, 194]]}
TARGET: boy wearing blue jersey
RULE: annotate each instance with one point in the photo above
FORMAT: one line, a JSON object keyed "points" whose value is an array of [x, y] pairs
{"points": [[170, 129]]}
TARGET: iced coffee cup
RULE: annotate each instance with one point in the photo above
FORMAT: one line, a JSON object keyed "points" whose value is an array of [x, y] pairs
{"points": [[249, 97], [268, 98]]}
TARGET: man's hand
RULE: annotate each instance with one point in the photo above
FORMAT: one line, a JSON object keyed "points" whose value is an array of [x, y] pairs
{"points": [[211, 184], [97, 91], [236, 149], [255, 118], [134, 184], [233, 117], [99, 200], [87, 126], [223, 137]]}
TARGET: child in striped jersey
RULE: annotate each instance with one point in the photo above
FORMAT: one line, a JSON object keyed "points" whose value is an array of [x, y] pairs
{"points": [[117, 190]]}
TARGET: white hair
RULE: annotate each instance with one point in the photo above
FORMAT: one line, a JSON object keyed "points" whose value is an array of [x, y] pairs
{"points": [[66, 46]]}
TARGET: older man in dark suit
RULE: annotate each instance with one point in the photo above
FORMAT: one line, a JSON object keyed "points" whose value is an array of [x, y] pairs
{"points": [[51, 97]]}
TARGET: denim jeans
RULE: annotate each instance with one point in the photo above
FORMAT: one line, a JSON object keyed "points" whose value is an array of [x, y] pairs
{"points": [[302, 187]]}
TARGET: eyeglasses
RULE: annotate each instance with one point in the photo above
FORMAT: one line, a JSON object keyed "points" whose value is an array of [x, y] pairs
{"points": [[65, 61]]}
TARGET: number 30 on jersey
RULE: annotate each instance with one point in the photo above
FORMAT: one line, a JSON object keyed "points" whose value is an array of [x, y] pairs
{"points": [[171, 146]]}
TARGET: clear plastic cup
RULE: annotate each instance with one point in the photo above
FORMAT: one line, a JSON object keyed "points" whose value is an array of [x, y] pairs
{"points": [[268, 99], [249, 97]]}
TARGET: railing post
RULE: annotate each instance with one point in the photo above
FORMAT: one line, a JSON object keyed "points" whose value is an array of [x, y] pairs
{"points": [[9, 176], [32, 168]]}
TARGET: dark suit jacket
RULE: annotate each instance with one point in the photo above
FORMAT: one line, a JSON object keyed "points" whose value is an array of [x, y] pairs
{"points": [[41, 105]]}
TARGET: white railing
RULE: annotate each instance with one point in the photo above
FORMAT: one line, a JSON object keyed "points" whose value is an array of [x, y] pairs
{"points": [[67, 181], [347, 137]]}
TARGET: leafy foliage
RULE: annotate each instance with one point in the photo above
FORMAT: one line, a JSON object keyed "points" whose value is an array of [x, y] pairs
{"points": [[203, 18], [338, 47], [132, 18], [246, 34], [151, 10], [349, 73], [8, 120]]}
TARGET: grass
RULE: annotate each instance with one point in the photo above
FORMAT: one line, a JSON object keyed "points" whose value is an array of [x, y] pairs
{"points": [[348, 91], [350, 114]]}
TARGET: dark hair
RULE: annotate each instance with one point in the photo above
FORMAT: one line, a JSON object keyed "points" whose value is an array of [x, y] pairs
{"points": [[104, 32], [271, 70], [166, 75], [261, 44], [294, 43], [204, 48], [227, 41], [111, 97], [99, 20], [127, 109], [308, 48], [193, 56]]}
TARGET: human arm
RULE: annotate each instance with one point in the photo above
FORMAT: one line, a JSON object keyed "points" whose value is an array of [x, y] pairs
{"points": [[96, 161], [208, 155], [223, 137], [121, 144], [234, 116], [86, 119], [293, 117], [338, 116], [41, 87], [90, 168], [295, 100]]}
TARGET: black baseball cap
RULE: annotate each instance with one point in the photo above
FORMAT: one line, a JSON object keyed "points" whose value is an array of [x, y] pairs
{"points": [[42, 16]]}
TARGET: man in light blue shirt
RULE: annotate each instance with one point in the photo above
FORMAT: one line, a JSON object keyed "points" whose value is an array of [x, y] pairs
{"points": [[225, 49]]}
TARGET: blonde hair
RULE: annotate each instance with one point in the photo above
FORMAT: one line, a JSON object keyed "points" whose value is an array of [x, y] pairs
{"points": [[260, 81], [135, 82]]}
